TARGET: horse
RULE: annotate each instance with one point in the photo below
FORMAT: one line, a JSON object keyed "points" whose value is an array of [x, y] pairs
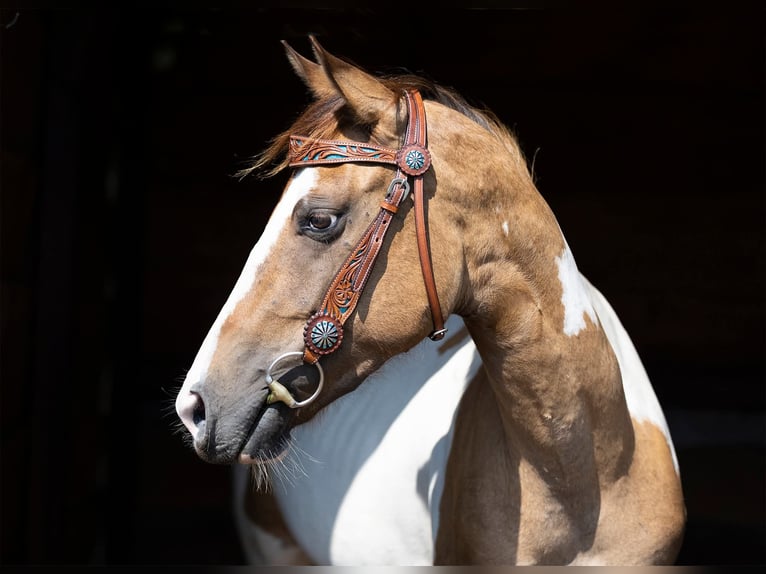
{"points": [[411, 369]]}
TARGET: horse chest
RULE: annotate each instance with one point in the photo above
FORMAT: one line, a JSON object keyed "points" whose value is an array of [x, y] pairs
{"points": [[367, 474]]}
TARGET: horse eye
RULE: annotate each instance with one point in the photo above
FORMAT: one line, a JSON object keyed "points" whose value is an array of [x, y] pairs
{"points": [[322, 221], [321, 224]]}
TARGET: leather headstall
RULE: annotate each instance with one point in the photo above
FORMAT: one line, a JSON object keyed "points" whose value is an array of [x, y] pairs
{"points": [[323, 332]]}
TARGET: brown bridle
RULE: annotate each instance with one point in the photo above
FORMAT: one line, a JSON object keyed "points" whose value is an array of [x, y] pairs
{"points": [[323, 333]]}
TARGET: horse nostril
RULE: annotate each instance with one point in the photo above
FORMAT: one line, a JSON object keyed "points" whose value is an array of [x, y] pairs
{"points": [[198, 414], [191, 410]]}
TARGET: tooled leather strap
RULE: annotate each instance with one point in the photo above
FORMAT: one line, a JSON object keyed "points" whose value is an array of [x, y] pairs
{"points": [[310, 151], [323, 332]]}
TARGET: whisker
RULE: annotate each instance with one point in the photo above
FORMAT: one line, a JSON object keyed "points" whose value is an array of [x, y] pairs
{"points": [[178, 428], [261, 477], [304, 452], [276, 470], [173, 392], [292, 465], [297, 456], [168, 408], [279, 469]]}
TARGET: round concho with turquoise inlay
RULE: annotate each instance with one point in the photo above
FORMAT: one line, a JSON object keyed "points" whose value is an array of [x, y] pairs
{"points": [[323, 333], [414, 160]]}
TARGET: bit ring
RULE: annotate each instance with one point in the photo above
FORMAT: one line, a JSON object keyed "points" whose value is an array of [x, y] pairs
{"points": [[280, 393]]}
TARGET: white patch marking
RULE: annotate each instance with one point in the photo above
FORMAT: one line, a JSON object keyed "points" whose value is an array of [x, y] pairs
{"points": [[574, 297], [376, 461], [300, 185], [505, 228], [639, 394]]}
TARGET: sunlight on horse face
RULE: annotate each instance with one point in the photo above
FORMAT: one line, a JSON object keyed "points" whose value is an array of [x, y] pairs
{"points": [[320, 216]]}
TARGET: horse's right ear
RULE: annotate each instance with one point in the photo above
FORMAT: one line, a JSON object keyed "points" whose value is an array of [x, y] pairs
{"points": [[312, 74], [365, 95]]}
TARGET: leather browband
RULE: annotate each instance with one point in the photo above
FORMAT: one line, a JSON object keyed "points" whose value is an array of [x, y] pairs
{"points": [[323, 332]]}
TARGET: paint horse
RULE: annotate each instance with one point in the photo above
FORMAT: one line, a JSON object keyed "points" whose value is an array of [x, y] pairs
{"points": [[525, 432]]}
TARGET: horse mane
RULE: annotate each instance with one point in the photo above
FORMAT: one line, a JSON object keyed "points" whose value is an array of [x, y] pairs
{"points": [[322, 118]]}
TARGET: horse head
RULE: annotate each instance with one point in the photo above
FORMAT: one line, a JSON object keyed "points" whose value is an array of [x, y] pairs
{"points": [[231, 401]]}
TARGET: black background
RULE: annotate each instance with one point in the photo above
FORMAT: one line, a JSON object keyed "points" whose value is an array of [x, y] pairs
{"points": [[123, 230]]}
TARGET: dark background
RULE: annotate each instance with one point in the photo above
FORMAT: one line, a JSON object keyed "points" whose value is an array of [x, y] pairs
{"points": [[123, 231]]}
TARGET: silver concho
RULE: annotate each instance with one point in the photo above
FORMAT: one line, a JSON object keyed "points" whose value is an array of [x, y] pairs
{"points": [[324, 334]]}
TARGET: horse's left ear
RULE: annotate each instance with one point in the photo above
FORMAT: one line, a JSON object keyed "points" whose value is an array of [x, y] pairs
{"points": [[365, 95]]}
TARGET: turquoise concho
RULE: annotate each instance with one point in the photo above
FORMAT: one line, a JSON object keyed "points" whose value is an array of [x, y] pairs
{"points": [[323, 333], [414, 160]]}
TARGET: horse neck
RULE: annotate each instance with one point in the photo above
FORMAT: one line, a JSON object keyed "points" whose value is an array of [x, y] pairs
{"points": [[552, 371]]}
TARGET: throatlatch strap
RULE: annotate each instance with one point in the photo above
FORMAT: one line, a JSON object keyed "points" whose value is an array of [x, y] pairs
{"points": [[421, 227], [323, 332]]}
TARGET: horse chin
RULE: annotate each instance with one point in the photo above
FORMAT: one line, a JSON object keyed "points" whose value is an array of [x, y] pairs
{"points": [[249, 460]]}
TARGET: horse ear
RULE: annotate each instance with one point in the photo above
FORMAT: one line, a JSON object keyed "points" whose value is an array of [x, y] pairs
{"points": [[310, 72], [365, 95]]}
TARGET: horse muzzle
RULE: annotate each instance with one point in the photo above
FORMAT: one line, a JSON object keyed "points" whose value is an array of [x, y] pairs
{"points": [[251, 422]]}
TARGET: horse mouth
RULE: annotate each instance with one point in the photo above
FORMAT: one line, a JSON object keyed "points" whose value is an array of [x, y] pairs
{"points": [[248, 429], [269, 436]]}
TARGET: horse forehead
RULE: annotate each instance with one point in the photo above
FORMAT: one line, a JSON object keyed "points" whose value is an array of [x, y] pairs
{"points": [[346, 180]]}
